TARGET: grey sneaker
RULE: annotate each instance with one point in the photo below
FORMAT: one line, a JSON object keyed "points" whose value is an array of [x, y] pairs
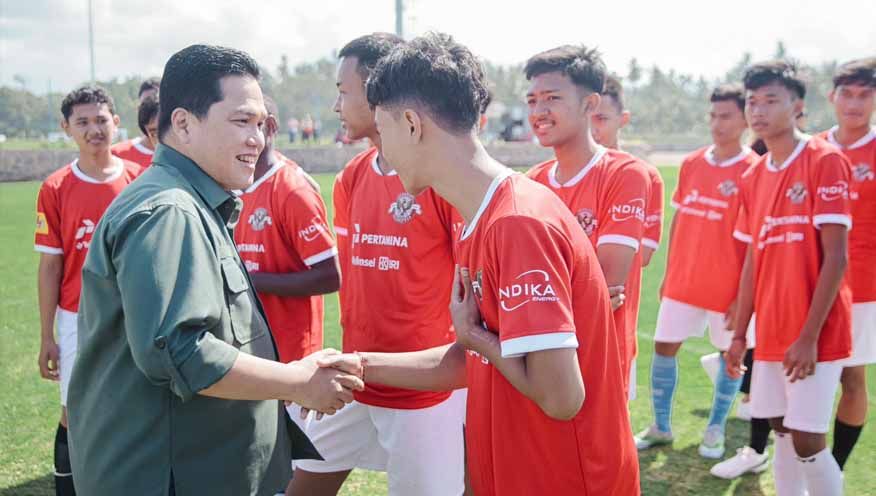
{"points": [[713, 443], [652, 436]]}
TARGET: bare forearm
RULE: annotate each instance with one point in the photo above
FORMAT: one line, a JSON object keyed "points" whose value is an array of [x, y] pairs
{"points": [[745, 296], [616, 261], [669, 246], [253, 378], [435, 369], [49, 293], [314, 281]]}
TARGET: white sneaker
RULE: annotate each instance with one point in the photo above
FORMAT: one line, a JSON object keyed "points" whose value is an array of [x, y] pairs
{"points": [[710, 364], [743, 410], [652, 436], [713, 443], [745, 461]]}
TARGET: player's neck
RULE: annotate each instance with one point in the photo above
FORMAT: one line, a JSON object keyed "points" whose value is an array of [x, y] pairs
{"points": [[98, 166], [264, 164], [726, 151], [145, 142], [466, 175], [382, 164], [574, 155], [781, 147], [849, 135]]}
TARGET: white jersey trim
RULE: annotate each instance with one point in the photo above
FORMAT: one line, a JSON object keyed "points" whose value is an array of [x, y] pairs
{"points": [[797, 151], [730, 161], [341, 231], [321, 257], [538, 342], [376, 167], [51, 250], [552, 173], [466, 232], [138, 144], [120, 168], [866, 139], [841, 219], [618, 239], [650, 243], [741, 236], [267, 175]]}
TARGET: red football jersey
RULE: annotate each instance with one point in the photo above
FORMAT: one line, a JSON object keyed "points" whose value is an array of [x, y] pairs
{"points": [[705, 260], [283, 228], [862, 239], [539, 286], [69, 206], [396, 253], [783, 207], [654, 212], [609, 197], [134, 151]]}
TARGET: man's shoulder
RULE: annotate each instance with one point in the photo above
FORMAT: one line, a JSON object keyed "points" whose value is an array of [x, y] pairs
{"points": [[157, 189]]}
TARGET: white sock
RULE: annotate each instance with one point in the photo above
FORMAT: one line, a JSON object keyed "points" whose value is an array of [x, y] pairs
{"points": [[822, 473], [788, 472]]}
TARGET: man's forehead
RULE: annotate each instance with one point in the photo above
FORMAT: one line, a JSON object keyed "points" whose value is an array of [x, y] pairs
{"points": [[88, 109], [549, 82], [772, 89]]}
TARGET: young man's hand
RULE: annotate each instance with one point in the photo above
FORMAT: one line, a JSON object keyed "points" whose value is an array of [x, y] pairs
{"points": [[467, 321], [49, 360], [327, 389], [734, 357], [616, 293], [800, 359]]}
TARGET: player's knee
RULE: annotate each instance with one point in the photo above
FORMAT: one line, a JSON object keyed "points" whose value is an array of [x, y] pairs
{"points": [[808, 443], [666, 349], [854, 382], [777, 424]]}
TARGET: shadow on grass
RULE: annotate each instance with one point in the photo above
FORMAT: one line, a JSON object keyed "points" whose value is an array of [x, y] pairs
{"points": [[41, 486]]}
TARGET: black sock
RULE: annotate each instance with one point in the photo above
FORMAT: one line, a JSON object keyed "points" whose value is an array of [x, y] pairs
{"points": [[845, 437], [63, 472], [748, 361], [760, 433]]}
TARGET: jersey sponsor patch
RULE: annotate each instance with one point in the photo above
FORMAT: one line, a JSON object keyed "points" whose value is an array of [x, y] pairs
{"points": [[260, 219], [634, 209], [530, 286], [404, 208], [42, 226], [587, 220]]}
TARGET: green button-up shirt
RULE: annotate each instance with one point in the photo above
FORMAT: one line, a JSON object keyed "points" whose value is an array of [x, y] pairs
{"points": [[166, 307]]}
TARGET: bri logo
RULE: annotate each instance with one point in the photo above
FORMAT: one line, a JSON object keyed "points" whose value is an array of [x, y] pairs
{"points": [[531, 286]]}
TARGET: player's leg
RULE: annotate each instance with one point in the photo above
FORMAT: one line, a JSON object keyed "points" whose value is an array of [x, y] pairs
{"points": [[676, 321], [346, 440], [67, 343], [726, 388], [425, 447]]}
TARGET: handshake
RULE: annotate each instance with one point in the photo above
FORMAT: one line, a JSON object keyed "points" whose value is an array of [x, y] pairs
{"points": [[330, 379]]}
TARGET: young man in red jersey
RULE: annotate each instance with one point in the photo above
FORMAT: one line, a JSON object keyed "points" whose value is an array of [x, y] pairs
{"points": [[70, 203], [795, 215], [396, 256], [607, 190], [854, 98], [140, 149], [531, 307]]}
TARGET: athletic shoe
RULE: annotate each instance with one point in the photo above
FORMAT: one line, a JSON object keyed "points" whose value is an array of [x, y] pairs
{"points": [[745, 461], [710, 364], [743, 410], [713, 443], [651, 437]]}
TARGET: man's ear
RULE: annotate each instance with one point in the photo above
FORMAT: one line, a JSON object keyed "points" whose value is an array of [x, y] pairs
{"points": [[180, 124], [271, 125], [414, 123], [831, 97], [625, 118], [65, 126], [116, 120], [591, 102]]}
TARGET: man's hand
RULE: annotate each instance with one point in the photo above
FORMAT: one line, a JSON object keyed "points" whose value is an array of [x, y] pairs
{"points": [[730, 317], [49, 360], [467, 321], [327, 390], [734, 357], [800, 359], [617, 296]]}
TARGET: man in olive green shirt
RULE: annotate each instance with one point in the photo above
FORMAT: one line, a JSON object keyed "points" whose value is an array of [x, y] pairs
{"points": [[175, 387]]}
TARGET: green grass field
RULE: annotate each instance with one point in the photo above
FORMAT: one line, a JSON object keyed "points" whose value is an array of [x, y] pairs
{"points": [[29, 405]]}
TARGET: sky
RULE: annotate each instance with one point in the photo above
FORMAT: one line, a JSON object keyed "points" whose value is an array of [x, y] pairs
{"points": [[45, 42]]}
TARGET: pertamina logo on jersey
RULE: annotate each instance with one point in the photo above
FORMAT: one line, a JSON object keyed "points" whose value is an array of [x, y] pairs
{"points": [[260, 219], [796, 193], [635, 209], [404, 207], [587, 220], [530, 286], [84, 230], [835, 191]]}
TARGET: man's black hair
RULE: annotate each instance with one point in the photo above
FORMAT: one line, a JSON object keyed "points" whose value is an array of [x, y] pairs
{"points": [[147, 111], [730, 92], [152, 83], [861, 72], [782, 72], [84, 95], [369, 49], [584, 66]]}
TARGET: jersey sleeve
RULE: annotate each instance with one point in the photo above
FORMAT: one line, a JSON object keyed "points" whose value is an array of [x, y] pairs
{"points": [[531, 268], [831, 203], [654, 217], [677, 195], [47, 235], [743, 231], [308, 223], [626, 203]]}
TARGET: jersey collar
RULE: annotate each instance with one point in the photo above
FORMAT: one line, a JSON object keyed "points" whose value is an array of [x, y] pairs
{"points": [[466, 232], [138, 144], [120, 167], [800, 146], [730, 161], [376, 167], [267, 175], [867, 138], [552, 173]]}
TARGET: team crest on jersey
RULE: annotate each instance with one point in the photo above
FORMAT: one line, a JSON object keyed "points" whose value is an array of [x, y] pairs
{"points": [[728, 188], [862, 172], [404, 207], [796, 193], [587, 221], [260, 219]]}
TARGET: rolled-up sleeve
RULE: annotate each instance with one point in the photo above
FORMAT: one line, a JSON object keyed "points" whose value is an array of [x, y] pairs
{"points": [[173, 298]]}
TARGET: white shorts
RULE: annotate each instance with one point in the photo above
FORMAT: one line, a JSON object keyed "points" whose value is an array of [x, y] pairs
{"points": [[863, 335], [65, 323], [420, 450], [806, 405], [677, 321]]}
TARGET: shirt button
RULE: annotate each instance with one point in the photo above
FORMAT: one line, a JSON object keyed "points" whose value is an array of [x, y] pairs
{"points": [[160, 342]]}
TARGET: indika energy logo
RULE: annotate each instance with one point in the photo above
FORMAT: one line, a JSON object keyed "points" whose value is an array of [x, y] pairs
{"points": [[833, 192], [635, 209], [530, 286]]}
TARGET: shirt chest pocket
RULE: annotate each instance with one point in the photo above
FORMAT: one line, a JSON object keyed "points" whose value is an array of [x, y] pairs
{"points": [[246, 322]]}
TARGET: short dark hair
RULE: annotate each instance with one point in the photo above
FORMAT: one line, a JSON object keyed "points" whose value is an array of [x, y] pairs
{"points": [[437, 73], [730, 92], [783, 72], [615, 90], [192, 78], [861, 71], [84, 95], [147, 111], [584, 66], [152, 83], [369, 49]]}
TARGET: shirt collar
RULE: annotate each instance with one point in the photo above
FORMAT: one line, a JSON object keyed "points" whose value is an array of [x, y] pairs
{"points": [[207, 187]]}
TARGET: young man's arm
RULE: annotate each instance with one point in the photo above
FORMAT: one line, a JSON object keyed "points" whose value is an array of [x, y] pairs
{"points": [[49, 275], [322, 278], [616, 261], [801, 357], [744, 311], [668, 250]]}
